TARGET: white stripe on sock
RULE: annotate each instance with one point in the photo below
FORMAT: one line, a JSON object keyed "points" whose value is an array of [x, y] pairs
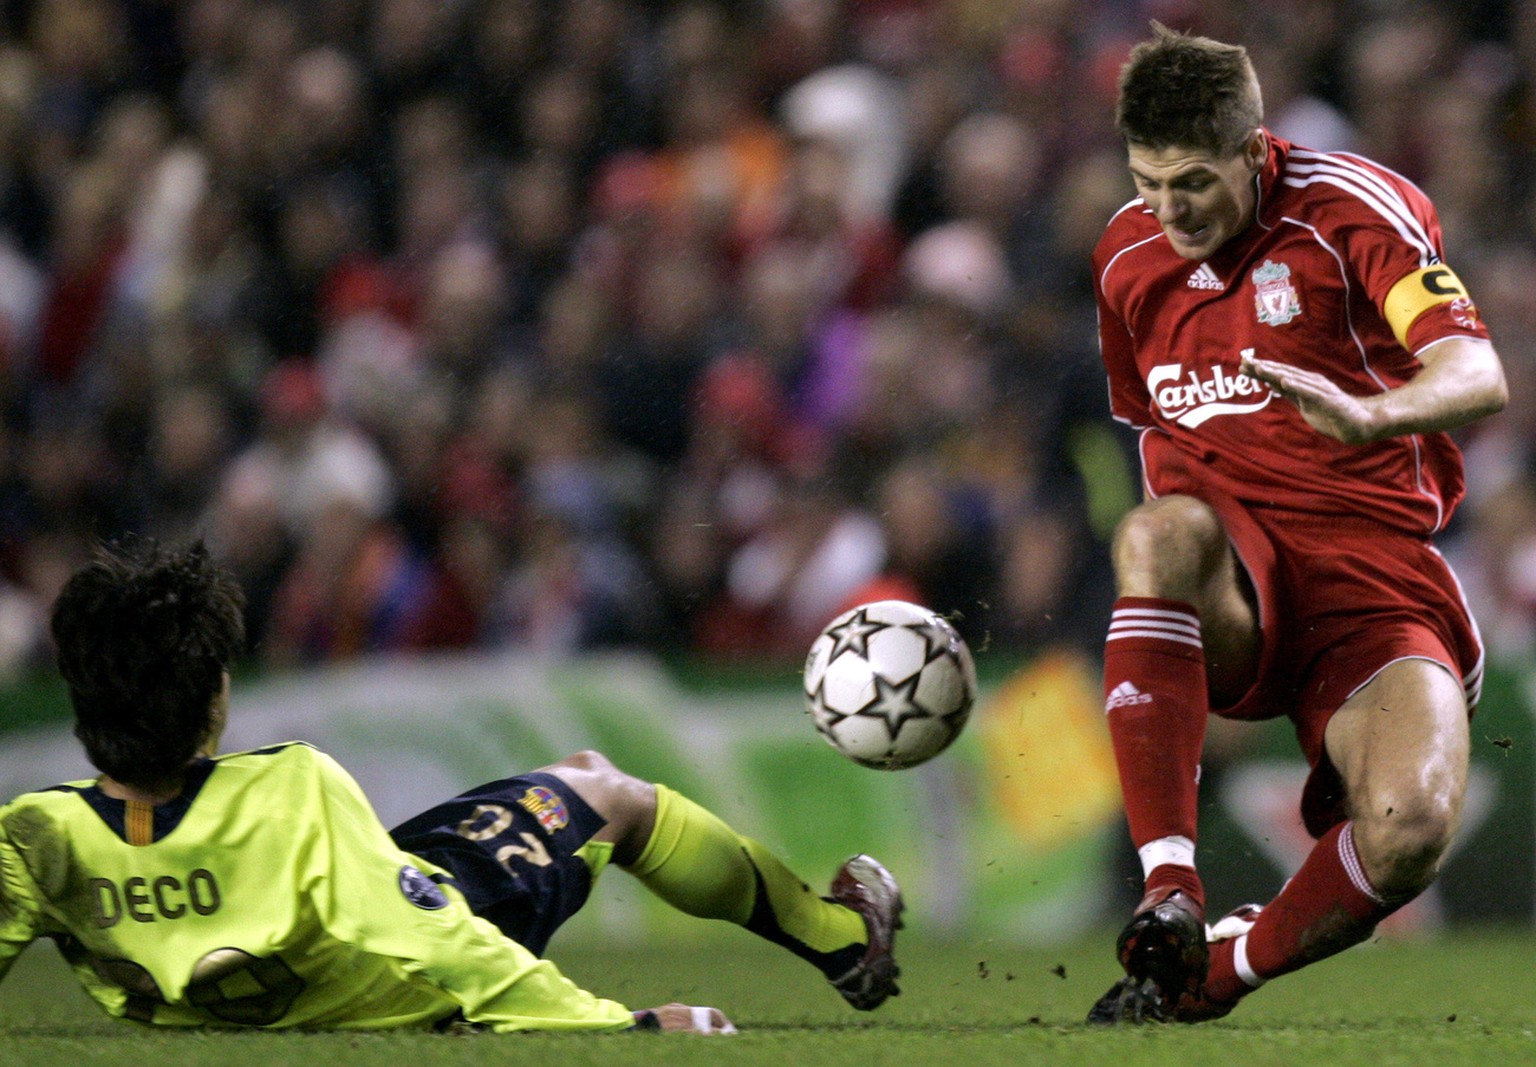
{"points": [[1117, 624], [1142, 618], [1157, 613], [1175, 849], [1179, 626], [1115, 634], [1352, 865], [1241, 965]]}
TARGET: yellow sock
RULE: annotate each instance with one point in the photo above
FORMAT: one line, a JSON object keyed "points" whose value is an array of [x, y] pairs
{"points": [[702, 867]]}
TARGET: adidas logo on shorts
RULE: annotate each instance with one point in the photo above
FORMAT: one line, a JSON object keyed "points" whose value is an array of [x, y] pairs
{"points": [[1205, 278], [1124, 695]]}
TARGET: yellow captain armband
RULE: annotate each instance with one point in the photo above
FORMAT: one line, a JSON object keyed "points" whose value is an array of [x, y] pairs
{"points": [[1416, 293]]}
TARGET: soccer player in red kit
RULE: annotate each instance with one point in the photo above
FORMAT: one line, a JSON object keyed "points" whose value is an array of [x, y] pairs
{"points": [[1281, 328]]}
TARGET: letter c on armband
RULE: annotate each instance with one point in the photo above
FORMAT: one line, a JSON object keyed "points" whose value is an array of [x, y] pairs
{"points": [[1416, 293]]}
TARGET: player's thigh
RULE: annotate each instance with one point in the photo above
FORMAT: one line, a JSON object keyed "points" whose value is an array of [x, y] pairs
{"points": [[520, 850], [1401, 745], [1181, 548], [626, 803], [1230, 631]]}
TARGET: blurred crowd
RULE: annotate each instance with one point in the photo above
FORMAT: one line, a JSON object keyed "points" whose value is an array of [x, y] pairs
{"points": [[559, 324]]}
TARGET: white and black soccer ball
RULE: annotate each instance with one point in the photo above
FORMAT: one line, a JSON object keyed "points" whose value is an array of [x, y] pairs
{"points": [[889, 684]]}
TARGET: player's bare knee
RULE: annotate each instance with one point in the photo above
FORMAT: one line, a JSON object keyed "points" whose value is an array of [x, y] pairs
{"points": [[1167, 548], [1402, 843], [586, 761], [621, 798]]}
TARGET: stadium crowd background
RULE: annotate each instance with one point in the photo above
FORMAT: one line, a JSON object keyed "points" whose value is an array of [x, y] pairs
{"points": [[488, 323]]}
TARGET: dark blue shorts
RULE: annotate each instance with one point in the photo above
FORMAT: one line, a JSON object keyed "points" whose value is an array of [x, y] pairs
{"points": [[511, 848]]}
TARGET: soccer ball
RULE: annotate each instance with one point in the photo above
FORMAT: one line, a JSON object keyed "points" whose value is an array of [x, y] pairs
{"points": [[889, 684]]}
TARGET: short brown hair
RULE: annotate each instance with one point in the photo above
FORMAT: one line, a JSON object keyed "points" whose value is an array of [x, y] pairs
{"points": [[1182, 91]]}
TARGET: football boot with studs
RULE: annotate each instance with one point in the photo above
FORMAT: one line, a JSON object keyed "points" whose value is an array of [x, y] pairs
{"points": [[865, 886], [1164, 952]]}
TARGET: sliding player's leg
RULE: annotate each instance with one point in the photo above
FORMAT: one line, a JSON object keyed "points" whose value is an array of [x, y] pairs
{"points": [[523, 851], [694, 861], [1181, 597], [1401, 748]]}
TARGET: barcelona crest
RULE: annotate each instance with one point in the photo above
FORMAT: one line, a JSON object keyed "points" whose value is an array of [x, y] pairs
{"points": [[545, 806]]}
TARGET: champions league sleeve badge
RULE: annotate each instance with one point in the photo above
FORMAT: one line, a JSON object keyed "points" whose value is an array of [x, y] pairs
{"points": [[421, 890], [1274, 296]]}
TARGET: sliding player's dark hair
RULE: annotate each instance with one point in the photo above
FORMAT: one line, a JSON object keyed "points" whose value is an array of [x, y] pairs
{"points": [[1182, 91], [144, 635]]}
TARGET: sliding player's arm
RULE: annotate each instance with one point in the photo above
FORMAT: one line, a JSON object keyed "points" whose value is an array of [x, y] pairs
{"points": [[385, 902]]}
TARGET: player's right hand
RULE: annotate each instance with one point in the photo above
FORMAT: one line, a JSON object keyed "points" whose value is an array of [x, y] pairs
{"points": [[684, 1019], [1327, 408]]}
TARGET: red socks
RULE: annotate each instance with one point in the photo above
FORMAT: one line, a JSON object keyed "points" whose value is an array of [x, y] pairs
{"points": [[1327, 906], [1156, 704], [1176, 876]]}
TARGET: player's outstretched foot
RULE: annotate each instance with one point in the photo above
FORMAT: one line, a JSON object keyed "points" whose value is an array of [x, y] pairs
{"points": [[1165, 957], [1202, 1007], [864, 885], [1130, 1000]]}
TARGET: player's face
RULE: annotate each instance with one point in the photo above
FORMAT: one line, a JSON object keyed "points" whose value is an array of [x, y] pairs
{"points": [[217, 720], [1200, 200]]}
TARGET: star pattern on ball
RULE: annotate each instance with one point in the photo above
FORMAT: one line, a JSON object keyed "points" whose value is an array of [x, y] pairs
{"points": [[895, 702], [853, 634], [822, 714], [938, 637]]}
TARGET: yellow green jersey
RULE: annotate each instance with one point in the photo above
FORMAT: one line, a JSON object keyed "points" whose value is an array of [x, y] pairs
{"points": [[267, 894]]}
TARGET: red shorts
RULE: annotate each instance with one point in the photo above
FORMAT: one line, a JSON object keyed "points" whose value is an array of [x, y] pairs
{"points": [[1339, 600]]}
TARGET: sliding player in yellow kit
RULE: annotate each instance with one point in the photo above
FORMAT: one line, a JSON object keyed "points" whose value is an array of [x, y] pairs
{"points": [[260, 889]]}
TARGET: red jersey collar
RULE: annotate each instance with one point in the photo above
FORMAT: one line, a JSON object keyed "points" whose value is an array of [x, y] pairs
{"points": [[1268, 178], [1267, 191]]}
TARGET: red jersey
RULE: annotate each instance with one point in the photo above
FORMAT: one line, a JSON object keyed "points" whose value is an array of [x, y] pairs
{"points": [[1340, 273]]}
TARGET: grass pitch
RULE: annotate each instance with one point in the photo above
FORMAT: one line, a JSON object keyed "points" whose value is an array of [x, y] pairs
{"points": [[1464, 999]]}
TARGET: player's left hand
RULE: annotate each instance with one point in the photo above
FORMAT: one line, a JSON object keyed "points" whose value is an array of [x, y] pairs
{"points": [[684, 1019], [1327, 408]]}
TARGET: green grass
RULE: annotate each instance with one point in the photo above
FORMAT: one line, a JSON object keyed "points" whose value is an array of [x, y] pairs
{"points": [[1467, 999]]}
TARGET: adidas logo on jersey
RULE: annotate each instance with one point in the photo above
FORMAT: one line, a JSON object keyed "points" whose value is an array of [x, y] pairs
{"points": [[1205, 278], [1124, 695]]}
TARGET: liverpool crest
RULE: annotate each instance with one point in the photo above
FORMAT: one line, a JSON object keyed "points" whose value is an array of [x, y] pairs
{"points": [[1274, 296]]}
